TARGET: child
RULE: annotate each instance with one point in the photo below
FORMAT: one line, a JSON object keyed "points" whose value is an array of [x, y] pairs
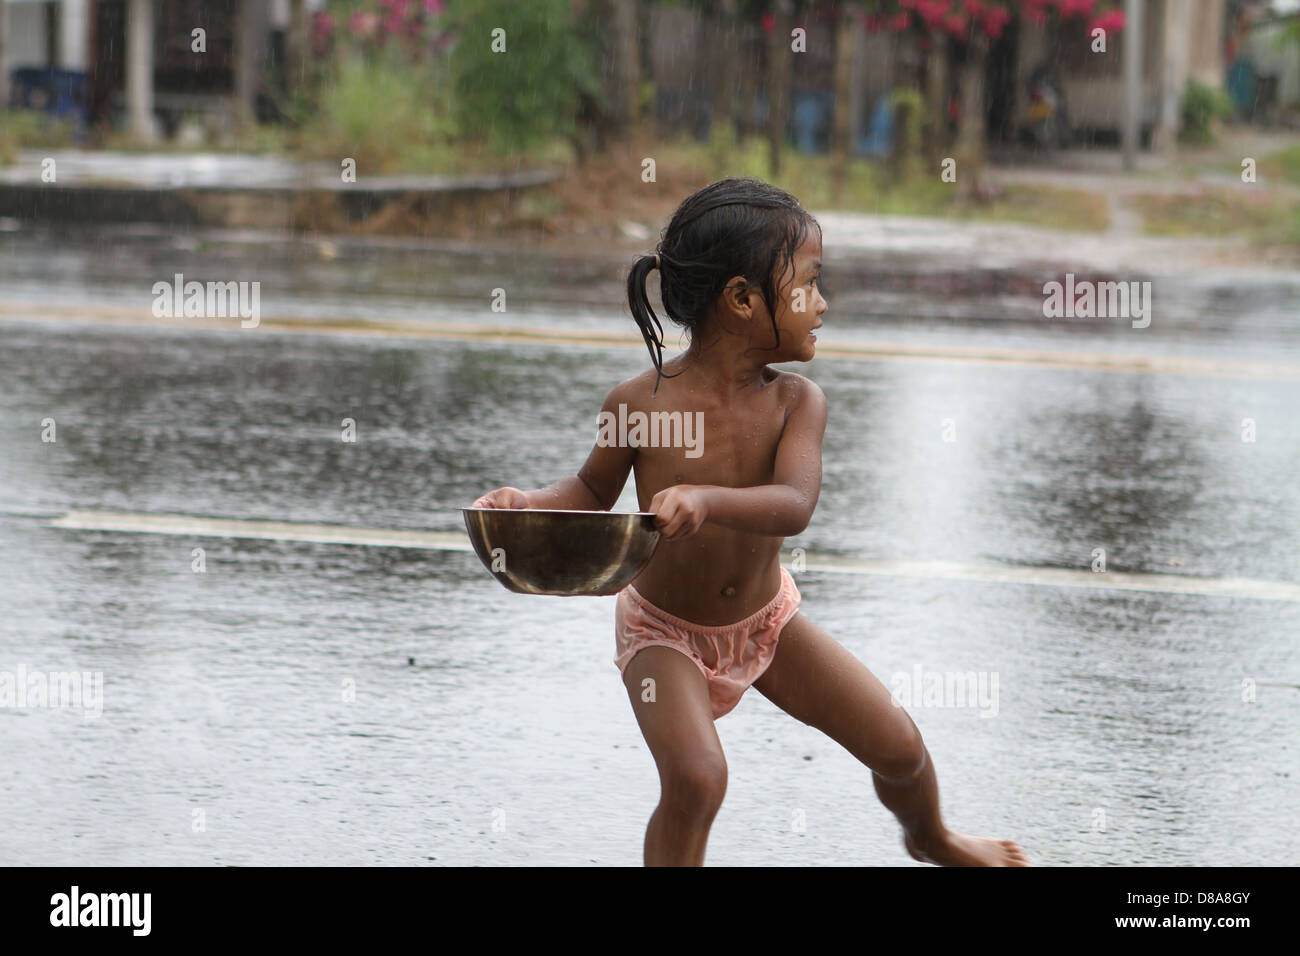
{"points": [[714, 612]]}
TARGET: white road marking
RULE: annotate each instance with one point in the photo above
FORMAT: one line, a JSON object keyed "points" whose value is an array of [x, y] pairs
{"points": [[873, 351], [455, 541], [269, 530]]}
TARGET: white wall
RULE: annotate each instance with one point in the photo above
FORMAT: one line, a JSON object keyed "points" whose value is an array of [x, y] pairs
{"points": [[280, 12], [26, 46], [27, 39], [74, 34], [1270, 59]]}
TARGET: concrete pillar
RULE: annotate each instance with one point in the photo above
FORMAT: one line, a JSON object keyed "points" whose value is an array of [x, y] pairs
{"points": [[74, 34], [1132, 79], [1175, 54], [1206, 57], [139, 68]]}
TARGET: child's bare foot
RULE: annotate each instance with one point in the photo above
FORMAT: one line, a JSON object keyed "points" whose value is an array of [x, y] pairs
{"points": [[958, 849]]}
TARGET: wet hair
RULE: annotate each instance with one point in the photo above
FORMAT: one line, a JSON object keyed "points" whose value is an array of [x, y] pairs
{"points": [[734, 227]]}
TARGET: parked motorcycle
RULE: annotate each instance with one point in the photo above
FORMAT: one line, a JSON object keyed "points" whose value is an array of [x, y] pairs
{"points": [[1049, 122]]}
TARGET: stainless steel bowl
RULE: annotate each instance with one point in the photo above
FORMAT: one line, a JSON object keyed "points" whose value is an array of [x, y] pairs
{"points": [[535, 551]]}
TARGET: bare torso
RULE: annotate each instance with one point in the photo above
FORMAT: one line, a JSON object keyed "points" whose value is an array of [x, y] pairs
{"points": [[718, 575]]}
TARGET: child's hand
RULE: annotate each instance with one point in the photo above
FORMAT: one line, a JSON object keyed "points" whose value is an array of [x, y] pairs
{"points": [[502, 498], [680, 510]]}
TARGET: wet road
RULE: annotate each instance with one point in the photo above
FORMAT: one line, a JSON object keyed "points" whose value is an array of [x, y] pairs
{"points": [[267, 710]]}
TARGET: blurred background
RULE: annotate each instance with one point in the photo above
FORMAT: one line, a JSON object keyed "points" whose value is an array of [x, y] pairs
{"points": [[850, 104], [252, 531]]}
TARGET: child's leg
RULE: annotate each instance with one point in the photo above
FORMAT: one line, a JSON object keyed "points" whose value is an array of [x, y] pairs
{"points": [[817, 680], [678, 727]]}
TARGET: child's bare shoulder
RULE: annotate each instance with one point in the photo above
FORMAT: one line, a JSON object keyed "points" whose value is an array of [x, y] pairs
{"points": [[634, 392], [797, 391]]}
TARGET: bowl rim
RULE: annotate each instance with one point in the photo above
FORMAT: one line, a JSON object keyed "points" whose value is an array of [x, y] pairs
{"points": [[568, 511]]}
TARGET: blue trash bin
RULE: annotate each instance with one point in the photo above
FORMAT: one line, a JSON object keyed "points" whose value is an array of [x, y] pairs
{"points": [[62, 94], [812, 121]]}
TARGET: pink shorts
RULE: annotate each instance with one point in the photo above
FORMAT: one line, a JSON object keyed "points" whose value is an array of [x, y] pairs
{"points": [[730, 656]]}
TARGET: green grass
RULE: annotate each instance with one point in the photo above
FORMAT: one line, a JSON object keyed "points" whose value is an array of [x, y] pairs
{"points": [[1221, 212], [385, 116], [870, 188], [257, 138], [393, 118], [1284, 165], [29, 129]]}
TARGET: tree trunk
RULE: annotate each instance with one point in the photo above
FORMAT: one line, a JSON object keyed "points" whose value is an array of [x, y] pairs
{"points": [[778, 83], [295, 72], [250, 50], [722, 51], [626, 72], [747, 69], [970, 126], [935, 129], [842, 121], [4, 38]]}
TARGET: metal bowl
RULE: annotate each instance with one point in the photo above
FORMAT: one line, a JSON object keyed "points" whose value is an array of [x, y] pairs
{"points": [[534, 551]]}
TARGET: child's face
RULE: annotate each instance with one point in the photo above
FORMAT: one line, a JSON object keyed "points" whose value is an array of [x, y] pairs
{"points": [[800, 305]]}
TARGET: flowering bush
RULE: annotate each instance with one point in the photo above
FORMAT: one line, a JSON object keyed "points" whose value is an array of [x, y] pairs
{"points": [[967, 19], [383, 96], [416, 29]]}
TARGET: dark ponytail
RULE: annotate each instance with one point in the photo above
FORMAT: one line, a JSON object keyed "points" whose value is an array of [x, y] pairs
{"points": [[734, 227], [638, 300]]}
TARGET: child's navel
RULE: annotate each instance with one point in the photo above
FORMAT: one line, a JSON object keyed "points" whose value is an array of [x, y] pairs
{"points": [[729, 591]]}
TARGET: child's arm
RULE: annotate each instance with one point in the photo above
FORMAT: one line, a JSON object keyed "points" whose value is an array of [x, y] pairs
{"points": [[595, 487], [781, 509]]}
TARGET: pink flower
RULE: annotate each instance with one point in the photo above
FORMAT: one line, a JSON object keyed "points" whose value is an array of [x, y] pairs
{"points": [[996, 20], [434, 8], [956, 24], [900, 21], [1111, 21], [931, 11], [1076, 8], [363, 25], [323, 26], [1034, 11]]}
